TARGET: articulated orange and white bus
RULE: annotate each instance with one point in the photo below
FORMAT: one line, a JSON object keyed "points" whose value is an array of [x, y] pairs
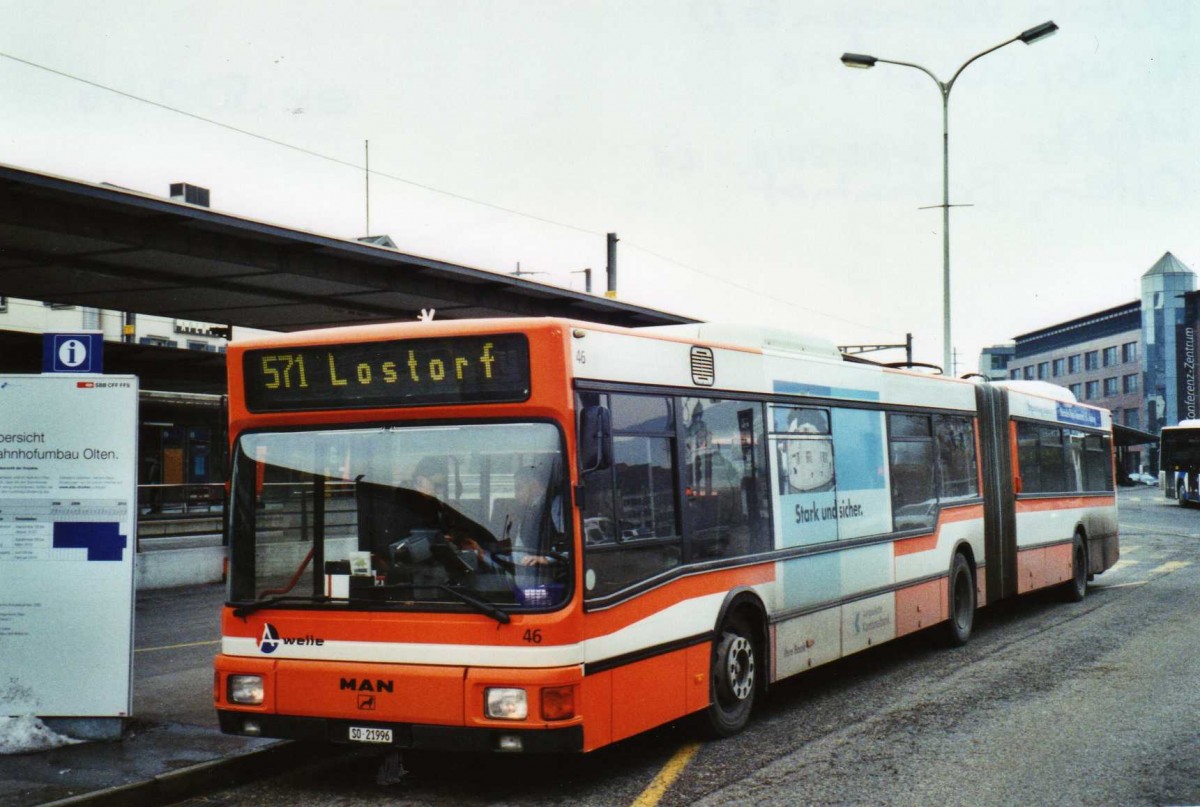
{"points": [[545, 535]]}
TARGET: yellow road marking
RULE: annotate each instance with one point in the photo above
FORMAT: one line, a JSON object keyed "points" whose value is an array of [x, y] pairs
{"points": [[1123, 563], [175, 646], [653, 794], [1171, 566]]}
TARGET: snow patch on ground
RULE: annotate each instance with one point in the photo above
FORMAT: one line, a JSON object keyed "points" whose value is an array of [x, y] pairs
{"points": [[24, 734]]}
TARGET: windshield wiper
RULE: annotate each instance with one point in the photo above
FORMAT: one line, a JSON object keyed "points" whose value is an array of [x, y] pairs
{"points": [[479, 605], [246, 609], [485, 608]]}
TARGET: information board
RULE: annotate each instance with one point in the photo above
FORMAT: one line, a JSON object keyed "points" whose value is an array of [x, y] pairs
{"points": [[68, 518]]}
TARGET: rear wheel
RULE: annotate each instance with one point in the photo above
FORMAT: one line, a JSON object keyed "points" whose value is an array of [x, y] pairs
{"points": [[1075, 589], [962, 601], [1181, 494], [734, 679]]}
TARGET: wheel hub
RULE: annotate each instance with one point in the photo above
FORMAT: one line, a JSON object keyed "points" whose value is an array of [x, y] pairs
{"points": [[739, 668]]}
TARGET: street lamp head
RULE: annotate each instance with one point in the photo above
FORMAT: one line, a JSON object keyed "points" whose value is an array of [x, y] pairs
{"points": [[859, 61], [1038, 33]]}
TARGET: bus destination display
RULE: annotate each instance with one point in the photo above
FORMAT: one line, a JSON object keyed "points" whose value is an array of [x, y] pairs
{"points": [[408, 372]]}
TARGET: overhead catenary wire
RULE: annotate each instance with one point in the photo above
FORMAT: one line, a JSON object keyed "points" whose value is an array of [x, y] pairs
{"points": [[291, 146], [450, 194], [757, 293]]}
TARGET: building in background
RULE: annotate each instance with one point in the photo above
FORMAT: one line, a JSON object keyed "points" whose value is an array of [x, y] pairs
{"points": [[1135, 359], [1189, 406], [1165, 329], [994, 360]]}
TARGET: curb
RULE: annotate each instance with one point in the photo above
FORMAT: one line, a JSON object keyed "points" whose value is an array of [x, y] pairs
{"points": [[184, 783]]}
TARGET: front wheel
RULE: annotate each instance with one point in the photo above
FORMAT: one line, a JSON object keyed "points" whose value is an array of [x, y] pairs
{"points": [[962, 602], [734, 679]]}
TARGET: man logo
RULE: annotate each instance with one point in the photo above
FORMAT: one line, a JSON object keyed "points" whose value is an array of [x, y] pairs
{"points": [[269, 642]]}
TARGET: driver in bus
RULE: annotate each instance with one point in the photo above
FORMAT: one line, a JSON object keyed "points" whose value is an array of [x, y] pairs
{"points": [[523, 526]]}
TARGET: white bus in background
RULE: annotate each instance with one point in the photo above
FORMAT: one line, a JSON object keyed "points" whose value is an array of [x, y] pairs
{"points": [[1179, 459]]}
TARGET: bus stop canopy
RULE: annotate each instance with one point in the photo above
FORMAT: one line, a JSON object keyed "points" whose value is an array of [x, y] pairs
{"points": [[76, 243], [1127, 436]]}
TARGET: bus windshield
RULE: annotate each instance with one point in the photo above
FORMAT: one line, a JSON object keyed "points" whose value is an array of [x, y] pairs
{"points": [[447, 517], [1181, 448]]}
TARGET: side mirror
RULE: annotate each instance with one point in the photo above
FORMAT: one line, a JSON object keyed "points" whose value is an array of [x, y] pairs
{"points": [[595, 439]]}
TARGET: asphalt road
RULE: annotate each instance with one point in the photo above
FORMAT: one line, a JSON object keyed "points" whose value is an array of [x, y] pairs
{"points": [[1051, 703], [176, 635]]}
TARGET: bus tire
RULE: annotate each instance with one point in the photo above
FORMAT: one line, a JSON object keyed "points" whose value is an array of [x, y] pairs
{"points": [[734, 679], [1181, 494], [1075, 589], [961, 611]]}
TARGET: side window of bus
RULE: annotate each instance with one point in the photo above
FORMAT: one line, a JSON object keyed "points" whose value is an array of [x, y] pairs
{"points": [[910, 452], [724, 478], [958, 475], [1097, 463], [1055, 460], [1029, 458], [1052, 460], [630, 519]]}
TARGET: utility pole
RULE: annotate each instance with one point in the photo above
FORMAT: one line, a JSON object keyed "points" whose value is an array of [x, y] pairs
{"points": [[612, 265]]}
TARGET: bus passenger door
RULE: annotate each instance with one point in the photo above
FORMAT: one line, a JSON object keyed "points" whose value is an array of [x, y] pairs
{"points": [[999, 494]]}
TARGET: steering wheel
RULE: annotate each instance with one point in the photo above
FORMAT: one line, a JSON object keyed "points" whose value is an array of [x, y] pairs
{"points": [[506, 558]]}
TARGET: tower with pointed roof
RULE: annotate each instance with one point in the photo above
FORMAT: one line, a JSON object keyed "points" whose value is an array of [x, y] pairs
{"points": [[1164, 340]]}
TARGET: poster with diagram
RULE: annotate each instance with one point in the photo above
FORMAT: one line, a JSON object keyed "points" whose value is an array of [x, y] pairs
{"points": [[68, 516]]}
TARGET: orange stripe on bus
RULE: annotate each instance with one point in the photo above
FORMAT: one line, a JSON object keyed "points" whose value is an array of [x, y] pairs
{"points": [[1063, 503], [601, 623], [923, 543]]}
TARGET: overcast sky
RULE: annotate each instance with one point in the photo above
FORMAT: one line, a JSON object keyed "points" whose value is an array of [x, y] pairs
{"points": [[750, 176]]}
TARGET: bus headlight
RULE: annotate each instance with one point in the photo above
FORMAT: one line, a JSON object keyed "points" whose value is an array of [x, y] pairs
{"points": [[246, 689], [507, 703]]}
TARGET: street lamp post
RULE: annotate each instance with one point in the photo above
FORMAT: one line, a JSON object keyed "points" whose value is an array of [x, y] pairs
{"points": [[858, 60]]}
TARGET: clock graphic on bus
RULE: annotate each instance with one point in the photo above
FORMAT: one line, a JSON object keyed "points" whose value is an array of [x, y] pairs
{"points": [[806, 452]]}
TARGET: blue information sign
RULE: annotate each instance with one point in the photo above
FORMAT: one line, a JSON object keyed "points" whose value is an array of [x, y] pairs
{"points": [[1078, 415], [73, 353]]}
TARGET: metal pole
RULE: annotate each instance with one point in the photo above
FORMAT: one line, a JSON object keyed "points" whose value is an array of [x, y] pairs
{"points": [[612, 264], [858, 60], [946, 230]]}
